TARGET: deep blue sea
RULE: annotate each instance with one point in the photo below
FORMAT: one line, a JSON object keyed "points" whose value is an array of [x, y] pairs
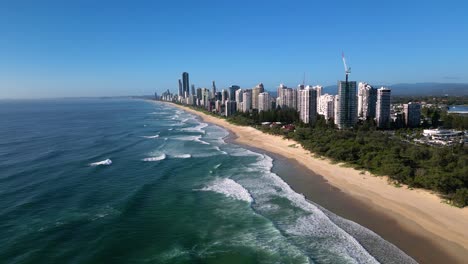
{"points": [[132, 181]]}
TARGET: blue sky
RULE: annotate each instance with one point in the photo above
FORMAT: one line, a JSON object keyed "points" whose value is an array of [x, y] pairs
{"points": [[85, 48]]}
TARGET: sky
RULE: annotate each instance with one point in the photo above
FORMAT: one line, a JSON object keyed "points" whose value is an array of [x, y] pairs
{"points": [[116, 48]]}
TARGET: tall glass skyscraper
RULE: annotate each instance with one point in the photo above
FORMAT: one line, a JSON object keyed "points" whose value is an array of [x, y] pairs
{"points": [[185, 83], [346, 105]]}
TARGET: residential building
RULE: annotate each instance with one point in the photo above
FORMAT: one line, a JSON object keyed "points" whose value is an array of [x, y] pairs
{"points": [[383, 108], [346, 105], [412, 114]]}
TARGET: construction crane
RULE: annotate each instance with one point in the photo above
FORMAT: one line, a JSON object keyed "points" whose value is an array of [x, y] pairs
{"points": [[346, 68]]}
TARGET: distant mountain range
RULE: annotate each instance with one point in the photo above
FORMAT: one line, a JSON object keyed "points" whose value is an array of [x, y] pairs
{"points": [[436, 89]]}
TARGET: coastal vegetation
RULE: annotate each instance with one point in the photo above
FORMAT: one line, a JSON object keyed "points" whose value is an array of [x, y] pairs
{"points": [[440, 169]]}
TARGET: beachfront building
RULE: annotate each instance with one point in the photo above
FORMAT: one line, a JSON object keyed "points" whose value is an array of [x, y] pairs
{"points": [[255, 92], [367, 99], [264, 101], [319, 90], [308, 103], [230, 107], [213, 90], [185, 84], [247, 100], [224, 96], [383, 108], [412, 113], [180, 88], [238, 98], [346, 105], [232, 92], [327, 106]]}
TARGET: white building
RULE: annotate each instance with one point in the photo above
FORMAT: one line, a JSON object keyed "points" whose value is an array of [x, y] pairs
{"points": [[383, 107], [264, 101], [247, 100], [239, 93], [255, 92], [230, 107], [308, 103], [327, 106], [367, 98]]}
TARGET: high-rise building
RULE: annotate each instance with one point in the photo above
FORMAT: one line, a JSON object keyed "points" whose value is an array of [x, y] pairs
{"points": [[247, 100], [185, 84], [367, 99], [308, 103], [181, 92], [264, 101], [327, 106], [232, 92], [412, 114], [230, 107], [224, 96], [346, 107], [193, 89], [214, 89], [255, 92], [199, 93], [239, 99], [319, 90], [291, 98], [383, 108], [206, 98]]}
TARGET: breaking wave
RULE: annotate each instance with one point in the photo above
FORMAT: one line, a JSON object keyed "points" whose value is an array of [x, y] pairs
{"points": [[229, 188], [105, 162], [156, 158]]}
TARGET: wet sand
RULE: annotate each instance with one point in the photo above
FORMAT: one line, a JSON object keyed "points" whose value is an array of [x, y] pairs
{"points": [[414, 220]]}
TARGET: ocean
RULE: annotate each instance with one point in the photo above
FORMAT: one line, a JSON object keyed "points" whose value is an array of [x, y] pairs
{"points": [[133, 181]]}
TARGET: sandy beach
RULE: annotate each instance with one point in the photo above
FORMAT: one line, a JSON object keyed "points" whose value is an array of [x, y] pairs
{"points": [[417, 221]]}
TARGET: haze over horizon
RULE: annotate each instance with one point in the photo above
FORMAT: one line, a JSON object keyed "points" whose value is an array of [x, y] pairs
{"points": [[58, 49]]}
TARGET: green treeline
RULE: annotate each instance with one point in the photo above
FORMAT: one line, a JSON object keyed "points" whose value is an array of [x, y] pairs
{"points": [[441, 169]]}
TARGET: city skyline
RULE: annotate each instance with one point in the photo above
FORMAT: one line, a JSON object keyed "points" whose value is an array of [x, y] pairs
{"points": [[136, 49]]}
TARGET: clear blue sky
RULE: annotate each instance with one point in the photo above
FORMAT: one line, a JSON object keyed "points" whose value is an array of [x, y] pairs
{"points": [[85, 48]]}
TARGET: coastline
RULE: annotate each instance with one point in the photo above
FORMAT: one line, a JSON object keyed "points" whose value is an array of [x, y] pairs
{"points": [[416, 221]]}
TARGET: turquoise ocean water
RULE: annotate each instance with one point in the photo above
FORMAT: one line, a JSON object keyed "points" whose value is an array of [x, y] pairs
{"points": [[129, 181]]}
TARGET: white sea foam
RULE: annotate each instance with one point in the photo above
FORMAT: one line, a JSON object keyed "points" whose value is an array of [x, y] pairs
{"points": [[105, 162], [155, 136], [156, 158], [222, 152], [181, 156], [198, 128], [312, 223], [192, 138], [217, 166], [230, 188]]}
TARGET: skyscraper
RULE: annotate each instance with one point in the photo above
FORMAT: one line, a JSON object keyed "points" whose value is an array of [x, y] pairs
{"points": [[193, 89], [346, 105], [308, 103], [255, 92], [181, 92], [185, 84], [319, 90], [327, 106], [232, 92], [367, 99], [412, 114], [264, 101], [383, 108], [239, 93], [224, 96], [247, 100], [230, 107], [214, 89]]}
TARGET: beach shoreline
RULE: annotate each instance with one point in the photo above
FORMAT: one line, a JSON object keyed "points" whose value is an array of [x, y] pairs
{"points": [[416, 221]]}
